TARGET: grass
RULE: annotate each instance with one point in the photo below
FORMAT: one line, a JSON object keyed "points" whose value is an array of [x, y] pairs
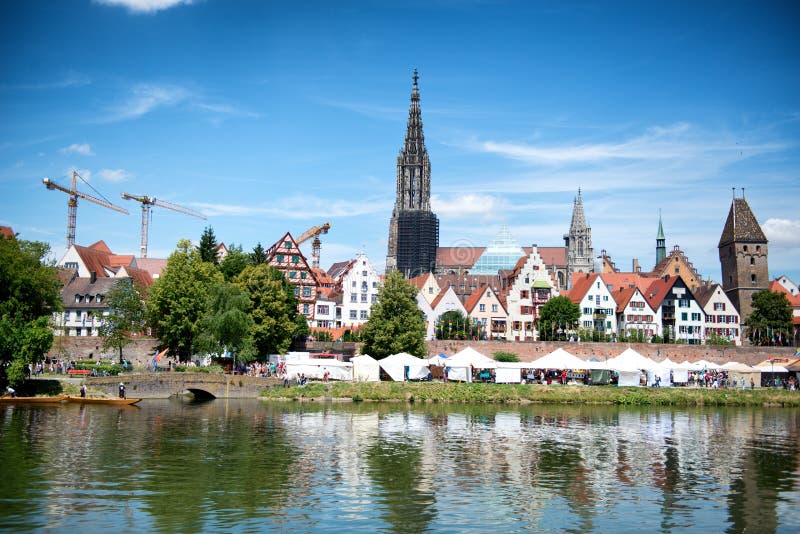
{"points": [[514, 393]]}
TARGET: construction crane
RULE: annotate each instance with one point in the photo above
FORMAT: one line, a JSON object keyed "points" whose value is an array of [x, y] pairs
{"points": [[72, 205], [146, 203], [314, 232]]}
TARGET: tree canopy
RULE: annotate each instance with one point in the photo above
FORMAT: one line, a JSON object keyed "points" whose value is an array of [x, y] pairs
{"points": [[126, 315], [29, 294], [558, 313], [226, 325], [259, 255], [234, 263], [208, 246], [770, 323], [395, 323], [178, 299]]}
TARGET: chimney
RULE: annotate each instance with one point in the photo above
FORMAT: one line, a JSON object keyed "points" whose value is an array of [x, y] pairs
{"points": [[93, 277]]}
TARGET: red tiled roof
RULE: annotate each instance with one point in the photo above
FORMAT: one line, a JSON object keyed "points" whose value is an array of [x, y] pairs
{"points": [[622, 296], [581, 282], [553, 256], [120, 260], [140, 277], [324, 279], [473, 299], [776, 287], [438, 298], [419, 281], [94, 258], [622, 280], [154, 266], [462, 256], [654, 295], [6, 232], [100, 246]]}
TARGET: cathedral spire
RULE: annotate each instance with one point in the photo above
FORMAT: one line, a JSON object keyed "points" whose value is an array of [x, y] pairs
{"points": [[414, 147], [661, 246], [578, 218]]}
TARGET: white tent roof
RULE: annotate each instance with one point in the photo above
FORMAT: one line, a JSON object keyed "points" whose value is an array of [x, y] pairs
{"points": [[771, 369], [559, 359], [365, 368], [689, 366], [739, 367], [708, 365], [669, 364], [630, 360], [394, 366], [470, 356], [438, 360]]}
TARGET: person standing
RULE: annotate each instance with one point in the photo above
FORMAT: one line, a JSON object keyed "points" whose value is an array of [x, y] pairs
{"points": [[121, 390], [83, 391]]}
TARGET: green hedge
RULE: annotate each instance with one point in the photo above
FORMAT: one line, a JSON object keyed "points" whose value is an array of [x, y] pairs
{"points": [[111, 369]]}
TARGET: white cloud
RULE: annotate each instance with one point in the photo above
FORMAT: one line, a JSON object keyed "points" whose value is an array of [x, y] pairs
{"points": [[298, 208], [145, 98], [113, 175], [83, 149], [483, 207], [783, 233], [71, 79], [144, 6]]}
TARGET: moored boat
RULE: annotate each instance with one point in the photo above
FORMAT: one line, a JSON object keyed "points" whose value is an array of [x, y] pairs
{"points": [[33, 400], [102, 400]]}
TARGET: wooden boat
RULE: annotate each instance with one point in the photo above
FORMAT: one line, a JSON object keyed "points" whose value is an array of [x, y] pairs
{"points": [[101, 400], [33, 400]]}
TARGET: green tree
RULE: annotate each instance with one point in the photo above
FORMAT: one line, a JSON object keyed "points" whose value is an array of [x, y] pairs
{"points": [[273, 308], [715, 339], [179, 297], [770, 323], [227, 324], [126, 315], [29, 295], [395, 323], [234, 263], [208, 246], [501, 356], [558, 313], [454, 324], [258, 255]]}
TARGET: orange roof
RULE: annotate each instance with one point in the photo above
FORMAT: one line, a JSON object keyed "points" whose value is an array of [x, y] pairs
{"points": [[622, 296], [324, 279], [419, 281], [553, 255], [776, 287], [438, 298], [154, 266], [140, 277], [6, 232], [100, 246], [120, 260], [473, 299], [622, 280], [581, 282], [654, 295], [463, 256]]}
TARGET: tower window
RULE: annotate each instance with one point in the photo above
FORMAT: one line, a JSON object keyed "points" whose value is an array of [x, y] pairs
{"points": [[758, 248], [753, 279], [745, 248], [752, 260]]}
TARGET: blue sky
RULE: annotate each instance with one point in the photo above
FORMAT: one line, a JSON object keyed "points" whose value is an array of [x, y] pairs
{"points": [[276, 116]]}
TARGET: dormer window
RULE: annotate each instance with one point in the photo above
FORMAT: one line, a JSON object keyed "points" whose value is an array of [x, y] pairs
{"points": [[78, 298], [99, 298]]}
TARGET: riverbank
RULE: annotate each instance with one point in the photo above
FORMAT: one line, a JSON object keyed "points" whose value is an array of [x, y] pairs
{"points": [[517, 393]]}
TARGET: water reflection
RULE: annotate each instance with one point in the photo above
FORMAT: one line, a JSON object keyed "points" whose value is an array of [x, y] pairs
{"points": [[175, 466]]}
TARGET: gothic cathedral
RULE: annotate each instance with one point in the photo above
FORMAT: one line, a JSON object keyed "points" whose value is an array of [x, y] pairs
{"points": [[580, 254], [414, 228]]}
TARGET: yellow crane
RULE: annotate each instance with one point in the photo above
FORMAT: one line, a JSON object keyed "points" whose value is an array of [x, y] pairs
{"points": [[314, 232], [72, 205], [146, 203]]}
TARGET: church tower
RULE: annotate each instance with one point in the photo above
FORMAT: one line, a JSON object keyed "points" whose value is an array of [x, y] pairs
{"points": [[580, 254], [414, 228], [661, 246], [743, 257]]}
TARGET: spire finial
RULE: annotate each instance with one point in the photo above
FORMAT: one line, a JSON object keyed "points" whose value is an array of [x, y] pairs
{"points": [[734, 192], [743, 192], [416, 77]]}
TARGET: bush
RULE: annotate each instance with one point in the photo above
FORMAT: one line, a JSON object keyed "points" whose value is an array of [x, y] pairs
{"points": [[104, 369], [501, 356]]}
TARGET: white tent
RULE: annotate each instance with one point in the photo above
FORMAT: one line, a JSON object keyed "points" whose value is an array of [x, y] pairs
{"points": [[366, 369], [630, 361], [396, 365], [439, 359], [771, 369], [559, 359], [708, 365], [470, 356], [315, 368], [509, 372], [669, 364], [690, 366]]}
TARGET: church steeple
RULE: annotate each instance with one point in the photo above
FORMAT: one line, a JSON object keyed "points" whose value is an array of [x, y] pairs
{"points": [[661, 246], [414, 229], [580, 254]]}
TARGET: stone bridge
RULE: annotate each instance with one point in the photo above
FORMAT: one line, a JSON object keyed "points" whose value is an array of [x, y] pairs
{"points": [[163, 385]]}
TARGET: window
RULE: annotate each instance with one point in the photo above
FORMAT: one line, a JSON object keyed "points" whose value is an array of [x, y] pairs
{"points": [[608, 325], [363, 314], [303, 275], [363, 297], [587, 324], [683, 303], [322, 310], [758, 248], [482, 307], [295, 258], [279, 257], [363, 273], [745, 248], [353, 284], [684, 316], [752, 260], [374, 298], [353, 297], [605, 298], [430, 290], [753, 279], [677, 270], [524, 294], [494, 308], [695, 317], [374, 285], [353, 314], [305, 309], [591, 298], [287, 244], [71, 265], [292, 274], [306, 291], [719, 306], [296, 291]]}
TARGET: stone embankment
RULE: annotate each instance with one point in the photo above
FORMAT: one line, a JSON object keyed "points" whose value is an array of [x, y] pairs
{"points": [[163, 385]]}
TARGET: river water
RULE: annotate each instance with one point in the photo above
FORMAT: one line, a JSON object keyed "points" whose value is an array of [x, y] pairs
{"points": [[244, 466]]}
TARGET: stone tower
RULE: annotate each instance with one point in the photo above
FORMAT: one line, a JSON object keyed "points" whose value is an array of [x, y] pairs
{"points": [[743, 257], [580, 254], [661, 246], [414, 228]]}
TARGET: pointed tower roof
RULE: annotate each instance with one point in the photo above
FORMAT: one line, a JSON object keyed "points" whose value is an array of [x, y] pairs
{"points": [[415, 139], [578, 219], [660, 227], [741, 225]]}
